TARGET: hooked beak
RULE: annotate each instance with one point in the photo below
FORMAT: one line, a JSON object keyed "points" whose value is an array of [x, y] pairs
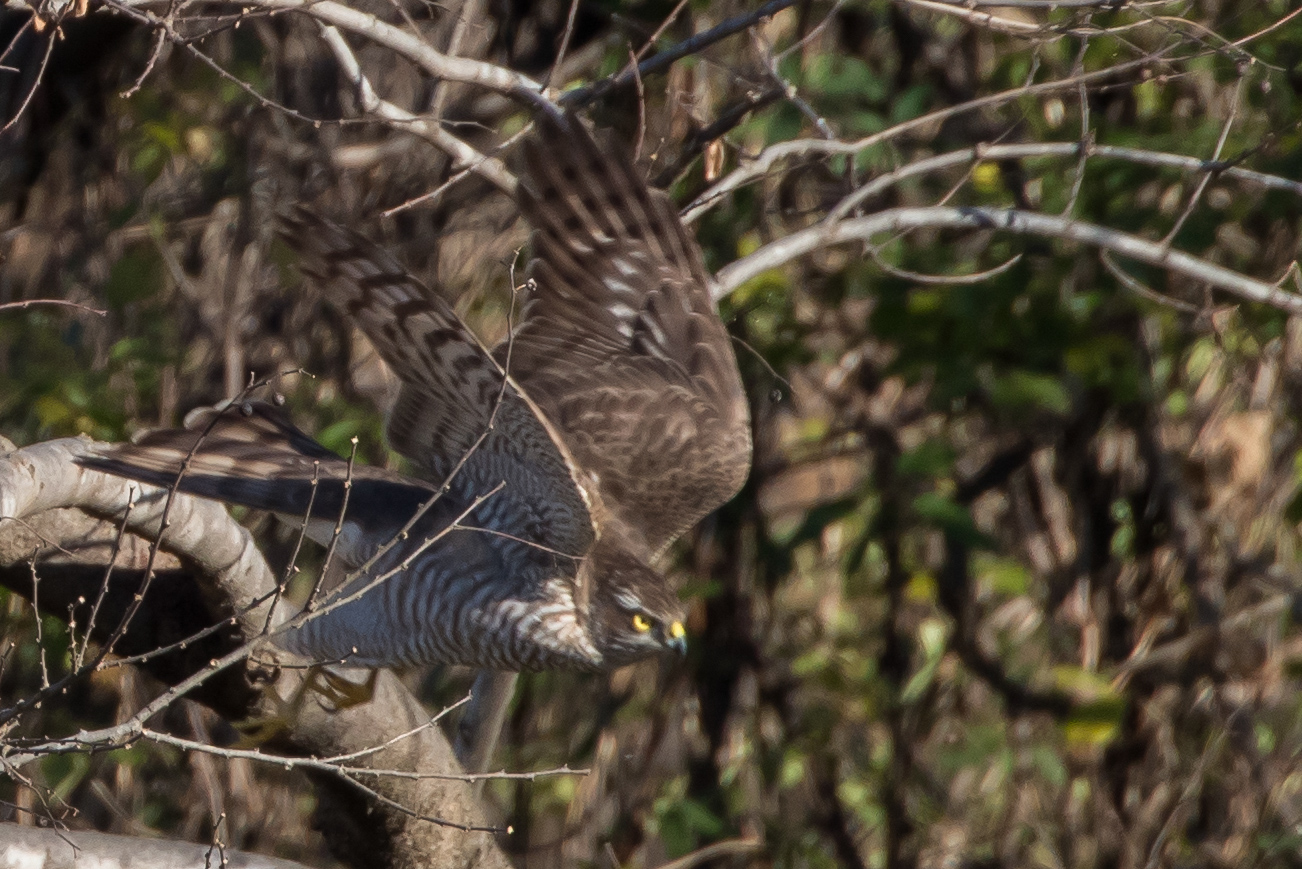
{"points": [[676, 638]]}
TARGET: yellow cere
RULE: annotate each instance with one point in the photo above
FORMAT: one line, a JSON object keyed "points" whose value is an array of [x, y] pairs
{"points": [[677, 631], [640, 623]]}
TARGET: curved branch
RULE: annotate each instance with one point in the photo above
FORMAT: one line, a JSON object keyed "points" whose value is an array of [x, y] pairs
{"points": [[45, 476], [1005, 220], [50, 848], [436, 63], [413, 48], [774, 154], [463, 156], [391, 823], [992, 153]]}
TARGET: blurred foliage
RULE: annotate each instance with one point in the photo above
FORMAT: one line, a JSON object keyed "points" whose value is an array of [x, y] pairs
{"points": [[931, 629]]}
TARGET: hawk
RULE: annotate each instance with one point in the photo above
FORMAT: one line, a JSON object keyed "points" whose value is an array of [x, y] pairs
{"points": [[556, 468]]}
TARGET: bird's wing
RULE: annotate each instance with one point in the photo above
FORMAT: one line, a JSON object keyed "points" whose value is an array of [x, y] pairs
{"points": [[620, 344], [466, 597], [251, 454], [457, 415]]}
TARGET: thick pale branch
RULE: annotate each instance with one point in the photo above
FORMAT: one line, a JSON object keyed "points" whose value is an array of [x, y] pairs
{"points": [[415, 49], [1138, 156], [436, 63], [392, 817], [46, 848], [864, 229], [46, 476]]}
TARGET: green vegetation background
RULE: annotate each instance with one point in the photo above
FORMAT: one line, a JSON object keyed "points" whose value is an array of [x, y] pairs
{"points": [[974, 506]]}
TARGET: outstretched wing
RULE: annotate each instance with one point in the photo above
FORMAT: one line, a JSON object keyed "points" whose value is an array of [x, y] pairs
{"points": [[466, 598], [620, 344], [251, 454], [455, 416]]}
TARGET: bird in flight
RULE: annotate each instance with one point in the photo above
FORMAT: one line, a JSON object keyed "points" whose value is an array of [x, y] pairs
{"points": [[556, 468]]}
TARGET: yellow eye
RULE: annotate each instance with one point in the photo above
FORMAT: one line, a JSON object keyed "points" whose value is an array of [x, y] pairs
{"points": [[640, 624]]}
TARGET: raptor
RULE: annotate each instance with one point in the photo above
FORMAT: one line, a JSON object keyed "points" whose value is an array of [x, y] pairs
{"points": [[554, 469]]}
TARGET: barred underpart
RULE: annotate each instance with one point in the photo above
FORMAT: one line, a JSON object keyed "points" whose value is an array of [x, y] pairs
{"points": [[548, 489]]}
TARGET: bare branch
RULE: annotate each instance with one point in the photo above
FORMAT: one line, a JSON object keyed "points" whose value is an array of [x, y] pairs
{"points": [[775, 154], [463, 156], [1139, 156], [45, 476], [434, 62], [593, 92], [1005, 220], [50, 848], [390, 733]]}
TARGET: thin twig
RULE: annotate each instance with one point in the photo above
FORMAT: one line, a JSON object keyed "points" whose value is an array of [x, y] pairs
{"points": [[463, 156], [160, 39], [655, 35], [291, 569], [584, 95], [36, 611], [1086, 134], [565, 43], [338, 530], [62, 302], [715, 851], [334, 766], [995, 153], [942, 280], [1128, 281], [80, 655], [789, 92], [1207, 178], [36, 80], [799, 148]]}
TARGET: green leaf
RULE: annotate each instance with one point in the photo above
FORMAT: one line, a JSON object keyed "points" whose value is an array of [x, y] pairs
{"points": [[845, 78], [1094, 725], [951, 517], [64, 772], [933, 637], [137, 275], [1004, 576], [338, 436], [1026, 390], [931, 458], [910, 104]]}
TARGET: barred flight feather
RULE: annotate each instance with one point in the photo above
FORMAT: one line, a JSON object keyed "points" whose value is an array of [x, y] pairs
{"points": [[622, 420]]}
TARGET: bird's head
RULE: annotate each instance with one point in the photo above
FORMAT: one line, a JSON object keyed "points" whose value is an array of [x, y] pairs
{"points": [[633, 612]]}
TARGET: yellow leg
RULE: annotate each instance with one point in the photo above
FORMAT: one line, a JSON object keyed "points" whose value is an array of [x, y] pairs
{"points": [[340, 692]]}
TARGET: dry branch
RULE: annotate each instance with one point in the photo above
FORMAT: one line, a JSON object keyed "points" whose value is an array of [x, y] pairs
{"points": [[864, 229], [405, 820], [47, 848]]}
